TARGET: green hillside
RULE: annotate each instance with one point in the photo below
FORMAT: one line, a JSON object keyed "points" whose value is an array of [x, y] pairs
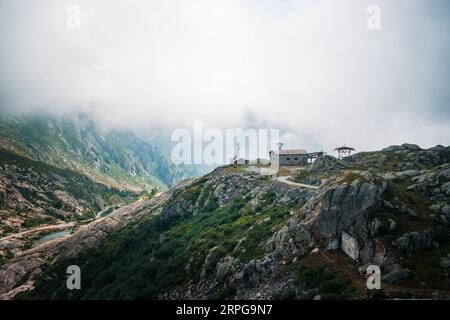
{"points": [[119, 159], [237, 234], [33, 193]]}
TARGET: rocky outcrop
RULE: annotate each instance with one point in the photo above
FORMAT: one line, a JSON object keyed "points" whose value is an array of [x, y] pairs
{"points": [[415, 241], [327, 163], [404, 147], [402, 158], [343, 207], [221, 187], [435, 185], [336, 209], [226, 267], [350, 245], [13, 273], [394, 273]]}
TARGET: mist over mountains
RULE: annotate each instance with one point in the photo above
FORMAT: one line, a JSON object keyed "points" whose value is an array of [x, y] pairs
{"points": [[310, 68], [116, 158], [100, 99]]}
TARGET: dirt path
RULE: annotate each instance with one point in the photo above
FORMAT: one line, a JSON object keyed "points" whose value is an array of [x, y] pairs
{"points": [[60, 226], [284, 179]]}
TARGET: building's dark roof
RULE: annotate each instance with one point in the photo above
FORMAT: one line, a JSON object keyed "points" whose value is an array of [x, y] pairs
{"points": [[344, 148], [291, 152]]}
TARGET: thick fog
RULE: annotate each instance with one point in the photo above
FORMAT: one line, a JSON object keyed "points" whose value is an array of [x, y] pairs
{"points": [[314, 69]]}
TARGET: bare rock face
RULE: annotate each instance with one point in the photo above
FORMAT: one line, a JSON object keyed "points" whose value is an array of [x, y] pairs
{"points": [[411, 147], [350, 246], [327, 163], [12, 273], [346, 207], [415, 241], [338, 215], [394, 273], [93, 234], [227, 266]]}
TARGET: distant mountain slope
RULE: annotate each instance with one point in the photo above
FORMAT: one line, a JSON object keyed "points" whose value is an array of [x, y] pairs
{"points": [[118, 159], [33, 194]]}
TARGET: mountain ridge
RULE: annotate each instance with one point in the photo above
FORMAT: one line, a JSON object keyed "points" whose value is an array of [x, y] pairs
{"points": [[36, 195], [116, 158], [240, 234]]}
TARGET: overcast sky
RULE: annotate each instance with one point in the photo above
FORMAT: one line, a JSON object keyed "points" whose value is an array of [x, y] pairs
{"points": [[311, 68]]}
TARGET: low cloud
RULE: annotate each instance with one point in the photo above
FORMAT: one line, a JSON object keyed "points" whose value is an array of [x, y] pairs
{"points": [[311, 68]]}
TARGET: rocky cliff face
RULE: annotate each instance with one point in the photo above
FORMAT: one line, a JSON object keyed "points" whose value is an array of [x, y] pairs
{"points": [[116, 158], [237, 234]]}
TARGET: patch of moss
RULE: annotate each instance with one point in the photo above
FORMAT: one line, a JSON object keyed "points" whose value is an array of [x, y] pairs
{"points": [[324, 278]]}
